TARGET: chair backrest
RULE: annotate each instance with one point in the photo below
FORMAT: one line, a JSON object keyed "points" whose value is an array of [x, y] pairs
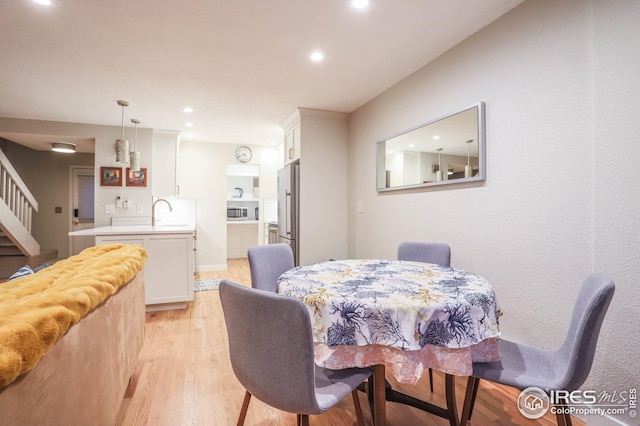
{"points": [[267, 263], [575, 356], [271, 347], [438, 253]]}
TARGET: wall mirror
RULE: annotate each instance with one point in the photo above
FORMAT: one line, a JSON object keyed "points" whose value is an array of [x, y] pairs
{"points": [[447, 150]]}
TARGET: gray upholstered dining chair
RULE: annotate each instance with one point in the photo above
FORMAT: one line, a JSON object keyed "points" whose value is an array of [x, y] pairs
{"points": [[271, 351], [567, 368], [437, 253], [267, 263]]}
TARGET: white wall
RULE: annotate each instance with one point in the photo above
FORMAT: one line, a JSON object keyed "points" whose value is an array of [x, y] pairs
{"points": [[203, 176], [560, 83], [323, 185], [616, 184]]}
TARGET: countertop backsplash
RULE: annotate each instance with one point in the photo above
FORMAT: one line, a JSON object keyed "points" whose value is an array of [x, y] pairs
{"points": [[184, 210]]}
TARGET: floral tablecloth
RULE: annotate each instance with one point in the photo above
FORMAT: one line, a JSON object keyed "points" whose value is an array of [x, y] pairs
{"points": [[409, 315]]}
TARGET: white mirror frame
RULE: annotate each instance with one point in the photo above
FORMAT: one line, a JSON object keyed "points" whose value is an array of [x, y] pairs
{"points": [[381, 153]]}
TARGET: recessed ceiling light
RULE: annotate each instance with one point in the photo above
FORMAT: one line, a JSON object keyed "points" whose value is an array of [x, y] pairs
{"points": [[436, 137], [189, 124], [43, 2], [411, 145], [317, 56], [360, 4], [188, 109]]}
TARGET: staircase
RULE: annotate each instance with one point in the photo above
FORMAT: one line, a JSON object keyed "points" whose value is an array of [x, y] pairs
{"points": [[17, 205]]}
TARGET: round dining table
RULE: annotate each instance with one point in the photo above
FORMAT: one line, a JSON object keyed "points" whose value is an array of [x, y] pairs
{"points": [[407, 316]]}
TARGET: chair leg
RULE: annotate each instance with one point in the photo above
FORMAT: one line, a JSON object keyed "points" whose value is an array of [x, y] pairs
{"points": [[431, 379], [356, 404], [245, 407], [562, 416], [303, 420], [469, 399], [567, 420], [473, 397], [370, 398]]}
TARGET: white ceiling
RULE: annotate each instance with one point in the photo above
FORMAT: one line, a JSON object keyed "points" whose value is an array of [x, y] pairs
{"points": [[243, 65]]}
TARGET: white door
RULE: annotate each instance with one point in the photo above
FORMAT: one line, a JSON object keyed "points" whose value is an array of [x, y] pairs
{"points": [[81, 211]]}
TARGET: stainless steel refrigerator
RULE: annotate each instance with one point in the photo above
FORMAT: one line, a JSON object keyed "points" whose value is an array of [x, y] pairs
{"points": [[288, 208]]}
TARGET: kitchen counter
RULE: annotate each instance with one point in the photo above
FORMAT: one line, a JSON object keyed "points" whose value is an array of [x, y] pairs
{"points": [[136, 230]]}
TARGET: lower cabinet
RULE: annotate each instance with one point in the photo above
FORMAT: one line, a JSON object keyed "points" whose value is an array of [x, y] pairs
{"points": [[170, 268]]}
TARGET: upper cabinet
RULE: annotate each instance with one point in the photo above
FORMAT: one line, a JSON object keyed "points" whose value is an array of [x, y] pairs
{"points": [[291, 128], [165, 161]]}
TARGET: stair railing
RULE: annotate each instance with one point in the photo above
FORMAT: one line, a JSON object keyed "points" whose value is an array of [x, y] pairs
{"points": [[15, 193]]}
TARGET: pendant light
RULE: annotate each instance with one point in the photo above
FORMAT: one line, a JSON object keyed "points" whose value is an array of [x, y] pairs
{"points": [[468, 170], [439, 172], [135, 154], [122, 145]]}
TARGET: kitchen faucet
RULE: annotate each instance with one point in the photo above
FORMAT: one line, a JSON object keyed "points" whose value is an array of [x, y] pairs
{"points": [[153, 210]]}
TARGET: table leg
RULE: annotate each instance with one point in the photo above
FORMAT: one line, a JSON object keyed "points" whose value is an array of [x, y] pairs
{"points": [[379, 395]]}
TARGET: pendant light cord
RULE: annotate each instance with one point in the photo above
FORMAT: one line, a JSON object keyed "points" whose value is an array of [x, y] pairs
{"points": [[122, 139]]}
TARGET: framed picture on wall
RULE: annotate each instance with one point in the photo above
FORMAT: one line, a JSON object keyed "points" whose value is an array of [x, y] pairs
{"points": [[137, 177], [111, 176]]}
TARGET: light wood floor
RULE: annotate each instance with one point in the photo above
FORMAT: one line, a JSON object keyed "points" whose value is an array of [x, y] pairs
{"points": [[183, 377]]}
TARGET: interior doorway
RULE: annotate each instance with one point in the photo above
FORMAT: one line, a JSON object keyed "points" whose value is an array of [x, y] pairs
{"points": [[81, 208]]}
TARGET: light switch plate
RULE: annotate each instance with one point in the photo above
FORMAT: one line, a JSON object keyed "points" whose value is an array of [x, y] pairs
{"points": [[140, 209]]}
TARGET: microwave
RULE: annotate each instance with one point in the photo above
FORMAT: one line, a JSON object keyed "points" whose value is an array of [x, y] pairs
{"points": [[236, 213]]}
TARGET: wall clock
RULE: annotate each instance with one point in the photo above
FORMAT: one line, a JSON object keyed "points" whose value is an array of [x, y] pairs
{"points": [[243, 154]]}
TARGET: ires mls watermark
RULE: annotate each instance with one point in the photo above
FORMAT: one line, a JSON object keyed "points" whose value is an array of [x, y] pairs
{"points": [[534, 402]]}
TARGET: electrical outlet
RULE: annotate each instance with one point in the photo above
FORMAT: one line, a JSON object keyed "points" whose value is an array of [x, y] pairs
{"points": [[140, 209], [126, 203], [109, 209]]}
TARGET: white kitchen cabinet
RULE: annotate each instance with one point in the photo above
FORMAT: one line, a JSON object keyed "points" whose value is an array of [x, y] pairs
{"points": [[292, 143], [169, 273], [120, 239], [165, 162], [169, 268]]}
